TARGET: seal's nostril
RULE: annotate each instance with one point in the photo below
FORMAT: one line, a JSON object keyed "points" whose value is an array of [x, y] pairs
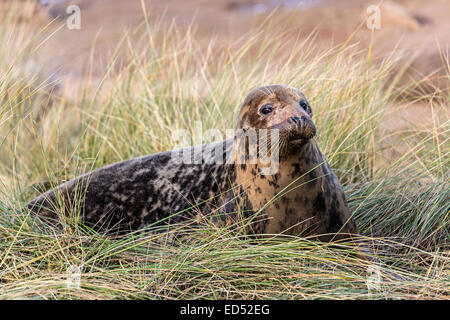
{"points": [[304, 119], [296, 120]]}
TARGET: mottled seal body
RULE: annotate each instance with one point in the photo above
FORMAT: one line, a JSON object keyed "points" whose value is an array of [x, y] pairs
{"points": [[303, 197], [139, 192]]}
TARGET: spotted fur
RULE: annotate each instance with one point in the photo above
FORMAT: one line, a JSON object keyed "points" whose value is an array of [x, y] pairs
{"points": [[303, 198], [142, 191]]}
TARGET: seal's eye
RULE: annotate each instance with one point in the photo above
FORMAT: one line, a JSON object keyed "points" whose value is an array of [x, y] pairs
{"points": [[303, 104], [266, 109]]}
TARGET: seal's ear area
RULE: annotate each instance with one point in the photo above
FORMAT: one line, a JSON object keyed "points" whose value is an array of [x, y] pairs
{"points": [[305, 106]]}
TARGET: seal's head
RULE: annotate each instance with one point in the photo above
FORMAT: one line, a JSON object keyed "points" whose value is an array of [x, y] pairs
{"points": [[282, 108]]}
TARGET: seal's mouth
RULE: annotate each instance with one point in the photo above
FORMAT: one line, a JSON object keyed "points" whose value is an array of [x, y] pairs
{"points": [[297, 141]]}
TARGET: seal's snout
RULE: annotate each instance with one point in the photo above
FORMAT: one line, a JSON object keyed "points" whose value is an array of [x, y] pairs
{"points": [[304, 127], [296, 120]]}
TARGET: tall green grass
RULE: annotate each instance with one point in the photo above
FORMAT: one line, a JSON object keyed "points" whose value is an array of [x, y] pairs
{"points": [[158, 80]]}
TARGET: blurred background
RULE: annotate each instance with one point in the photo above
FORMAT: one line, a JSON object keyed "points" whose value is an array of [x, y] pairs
{"points": [[405, 25], [419, 31]]}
